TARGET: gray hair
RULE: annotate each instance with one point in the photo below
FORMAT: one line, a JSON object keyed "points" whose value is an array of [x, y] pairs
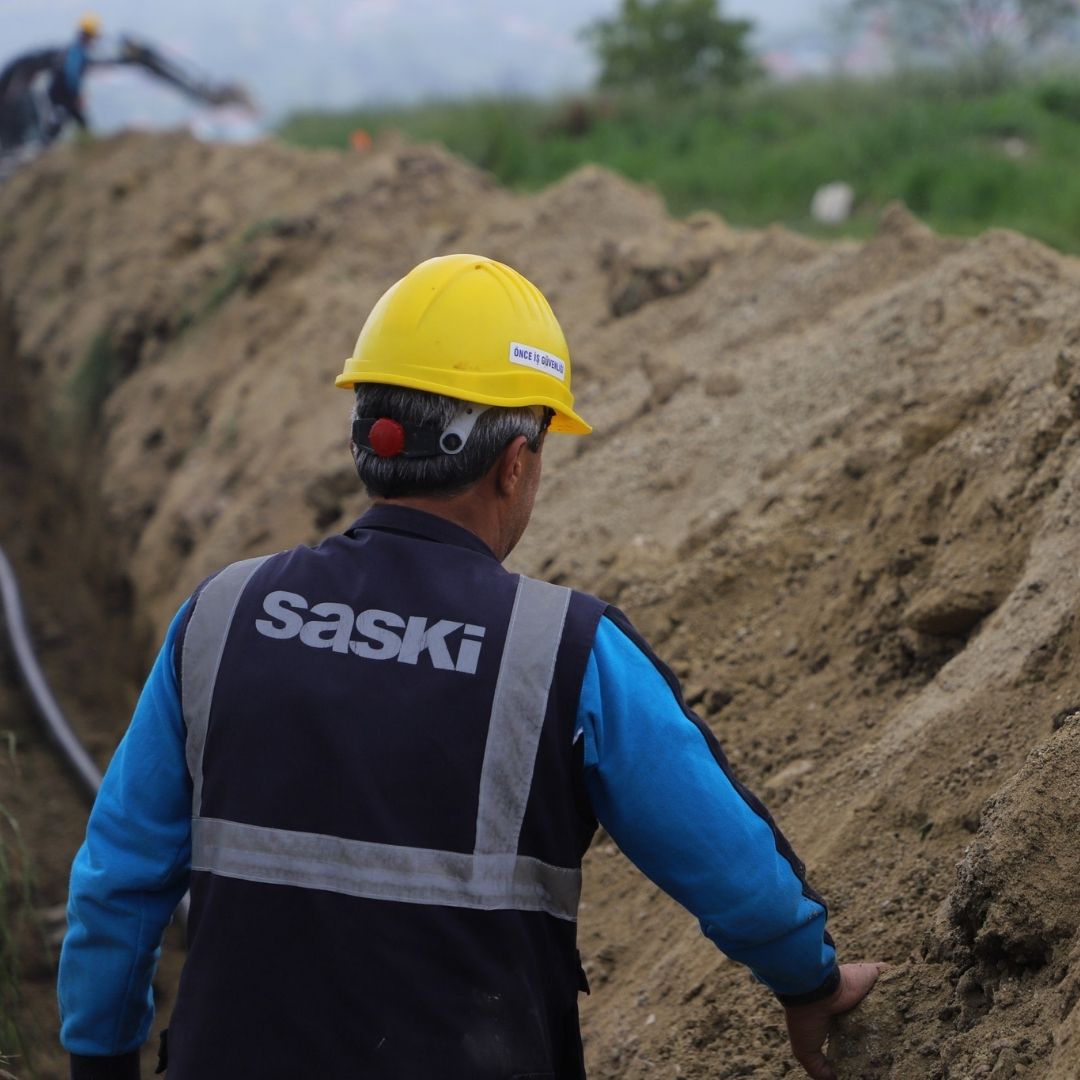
{"points": [[441, 474]]}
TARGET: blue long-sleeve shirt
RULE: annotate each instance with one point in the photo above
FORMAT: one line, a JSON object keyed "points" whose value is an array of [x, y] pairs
{"points": [[76, 61], [654, 781]]}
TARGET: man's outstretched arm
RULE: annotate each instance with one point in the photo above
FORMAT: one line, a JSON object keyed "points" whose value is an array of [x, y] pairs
{"points": [[661, 786]]}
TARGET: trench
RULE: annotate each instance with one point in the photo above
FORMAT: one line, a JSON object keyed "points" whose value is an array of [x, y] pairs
{"points": [[93, 649]]}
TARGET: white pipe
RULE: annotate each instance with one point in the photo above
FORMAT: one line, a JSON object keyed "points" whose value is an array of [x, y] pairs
{"points": [[56, 723]]}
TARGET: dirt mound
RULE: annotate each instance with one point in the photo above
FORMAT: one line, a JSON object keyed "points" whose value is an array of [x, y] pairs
{"points": [[834, 483], [994, 988]]}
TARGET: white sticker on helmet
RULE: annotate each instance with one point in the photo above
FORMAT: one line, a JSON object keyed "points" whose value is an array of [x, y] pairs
{"points": [[530, 357]]}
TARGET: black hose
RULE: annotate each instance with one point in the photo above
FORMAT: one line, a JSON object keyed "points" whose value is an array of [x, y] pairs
{"points": [[56, 723]]}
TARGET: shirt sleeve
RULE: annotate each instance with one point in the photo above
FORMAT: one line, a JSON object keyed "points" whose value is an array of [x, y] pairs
{"points": [[129, 875], [661, 786]]}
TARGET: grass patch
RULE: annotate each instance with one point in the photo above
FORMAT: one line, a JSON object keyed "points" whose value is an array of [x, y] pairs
{"points": [[227, 282], [498, 134], [15, 915], [95, 378], [270, 226], [964, 158]]}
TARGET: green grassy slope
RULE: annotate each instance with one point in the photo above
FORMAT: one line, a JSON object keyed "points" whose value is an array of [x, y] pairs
{"points": [[962, 160]]}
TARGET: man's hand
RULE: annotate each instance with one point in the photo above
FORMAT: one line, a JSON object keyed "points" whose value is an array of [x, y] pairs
{"points": [[808, 1025]]}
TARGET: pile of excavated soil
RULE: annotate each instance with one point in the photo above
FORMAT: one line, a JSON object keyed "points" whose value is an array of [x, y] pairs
{"points": [[835, 484]]}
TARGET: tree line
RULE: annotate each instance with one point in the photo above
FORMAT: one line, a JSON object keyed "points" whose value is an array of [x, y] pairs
{"points": [[671, 48]]}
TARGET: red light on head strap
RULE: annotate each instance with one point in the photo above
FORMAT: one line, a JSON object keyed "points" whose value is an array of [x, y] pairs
{"points": [[387, 437]]}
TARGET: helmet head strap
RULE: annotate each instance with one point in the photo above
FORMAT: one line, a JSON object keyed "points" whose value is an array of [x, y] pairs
{"points": [[386, 437]]}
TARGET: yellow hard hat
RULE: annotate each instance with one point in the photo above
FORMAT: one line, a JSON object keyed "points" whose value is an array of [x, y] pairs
{"points": [[471, 328], [90, 25]]}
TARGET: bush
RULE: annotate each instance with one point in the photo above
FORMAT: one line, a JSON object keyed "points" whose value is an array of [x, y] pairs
{"points": [[1061, 99]]}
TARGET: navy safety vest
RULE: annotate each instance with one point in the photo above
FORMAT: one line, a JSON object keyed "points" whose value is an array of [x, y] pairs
{"points": [[389, 813]]}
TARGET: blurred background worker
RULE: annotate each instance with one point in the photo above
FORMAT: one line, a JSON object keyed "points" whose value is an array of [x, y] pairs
{"points": [[65, 87], [379, 762], [41, 90]]}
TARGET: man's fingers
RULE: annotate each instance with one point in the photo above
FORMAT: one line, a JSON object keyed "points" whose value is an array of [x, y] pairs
{"points": [[808, 1025], [807, 1030], [817, 1066]]}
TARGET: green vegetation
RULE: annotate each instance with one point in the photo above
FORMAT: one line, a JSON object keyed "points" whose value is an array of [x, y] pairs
{"points": [[224, 285], [271, 226], [671, 47], [963, 159], [96, 376], [510, 136], [14, 918]]}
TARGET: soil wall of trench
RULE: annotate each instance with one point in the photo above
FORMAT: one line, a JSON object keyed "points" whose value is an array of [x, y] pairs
{"points": [[835, 484], [94, 650]]}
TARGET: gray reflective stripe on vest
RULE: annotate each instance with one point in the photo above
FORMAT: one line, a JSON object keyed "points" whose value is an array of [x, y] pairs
{"points": [[204, 642], [517, 712], [383, 871], [494, 876]]}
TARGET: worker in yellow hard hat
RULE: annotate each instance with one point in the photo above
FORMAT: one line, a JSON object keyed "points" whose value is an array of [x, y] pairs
{"points": [[377, 762], [90, 26], [65, 86]]}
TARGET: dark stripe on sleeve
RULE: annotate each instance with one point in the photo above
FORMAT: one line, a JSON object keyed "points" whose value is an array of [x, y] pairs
{"points": [[826, 989]]}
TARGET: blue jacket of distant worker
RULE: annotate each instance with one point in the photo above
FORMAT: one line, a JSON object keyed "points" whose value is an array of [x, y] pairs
{"points": [[65, 86], [377, 763], [73, 67]]}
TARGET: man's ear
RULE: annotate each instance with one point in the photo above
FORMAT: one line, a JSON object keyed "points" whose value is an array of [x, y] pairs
{"points": [[510, 467]]}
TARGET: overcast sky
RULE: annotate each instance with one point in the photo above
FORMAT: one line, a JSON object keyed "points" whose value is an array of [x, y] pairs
{"points": [[338, 53]]}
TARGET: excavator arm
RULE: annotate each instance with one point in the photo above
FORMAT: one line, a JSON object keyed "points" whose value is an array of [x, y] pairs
{"points": [[19, 120], [138, 53]]}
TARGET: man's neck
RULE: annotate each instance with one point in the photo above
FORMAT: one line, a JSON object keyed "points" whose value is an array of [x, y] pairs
{"points": [[474, 514]]}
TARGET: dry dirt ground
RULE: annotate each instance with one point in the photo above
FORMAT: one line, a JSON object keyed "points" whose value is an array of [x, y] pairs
{"points": [[834, 483]]}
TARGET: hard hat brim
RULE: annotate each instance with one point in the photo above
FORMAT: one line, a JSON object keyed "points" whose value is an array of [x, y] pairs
{"points": [[564, 422]]}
